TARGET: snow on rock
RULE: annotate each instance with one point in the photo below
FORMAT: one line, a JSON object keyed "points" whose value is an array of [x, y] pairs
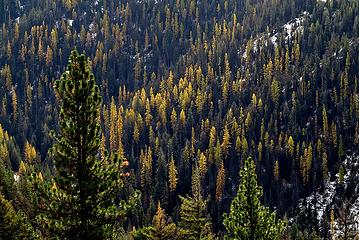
{"points": [[70, 22], [91, 27], [21, 6], [289, 30], [16, 177], [330, 196], [274, 39]]}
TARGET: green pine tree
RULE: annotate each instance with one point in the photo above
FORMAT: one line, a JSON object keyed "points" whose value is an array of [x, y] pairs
{"points": [[14, 225], [6, 180], [82, 200], [193, 212], [248, 219], [341, 174]]}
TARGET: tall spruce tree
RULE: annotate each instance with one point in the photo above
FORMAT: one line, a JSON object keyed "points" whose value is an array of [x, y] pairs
{"points": [[248, 219], [81, 202]]}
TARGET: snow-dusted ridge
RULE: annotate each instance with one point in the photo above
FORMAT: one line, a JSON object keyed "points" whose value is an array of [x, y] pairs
{"points": [[289, 29], [331, 197]]}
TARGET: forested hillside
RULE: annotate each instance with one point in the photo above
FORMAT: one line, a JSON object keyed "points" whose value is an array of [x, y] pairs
{"points": [[190, 90]]}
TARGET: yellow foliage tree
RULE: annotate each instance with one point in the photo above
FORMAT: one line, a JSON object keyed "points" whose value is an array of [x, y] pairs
{"points": [[276, 170], [226, 144], [221, 178], [172, 175], [291, 146], [202, 164], [29, 153]]}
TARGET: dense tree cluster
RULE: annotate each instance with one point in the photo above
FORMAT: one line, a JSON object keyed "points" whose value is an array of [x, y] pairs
{"points": [[190, 90]]}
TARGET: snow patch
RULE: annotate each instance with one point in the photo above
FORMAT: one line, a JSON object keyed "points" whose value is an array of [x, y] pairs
{"points": [[290, 29], [16, 177], [70, 22], [322, 200]]}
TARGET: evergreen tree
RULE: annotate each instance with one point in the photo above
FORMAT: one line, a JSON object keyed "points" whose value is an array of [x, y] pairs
{"points": [[14, 225], [341, 174], [80, 202], [193, 212], [248, 219], [347, 225], [6, 177]]}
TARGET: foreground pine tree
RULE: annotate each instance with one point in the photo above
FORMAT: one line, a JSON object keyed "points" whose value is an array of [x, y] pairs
{"points": [[248, 219], [81, 201]]}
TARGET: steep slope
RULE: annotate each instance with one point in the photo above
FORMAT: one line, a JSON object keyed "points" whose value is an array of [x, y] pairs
{"points": [[335, 206], [195, 83]]}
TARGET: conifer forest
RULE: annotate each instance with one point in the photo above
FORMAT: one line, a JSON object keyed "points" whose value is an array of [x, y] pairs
{"points": [[179, 119]]}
